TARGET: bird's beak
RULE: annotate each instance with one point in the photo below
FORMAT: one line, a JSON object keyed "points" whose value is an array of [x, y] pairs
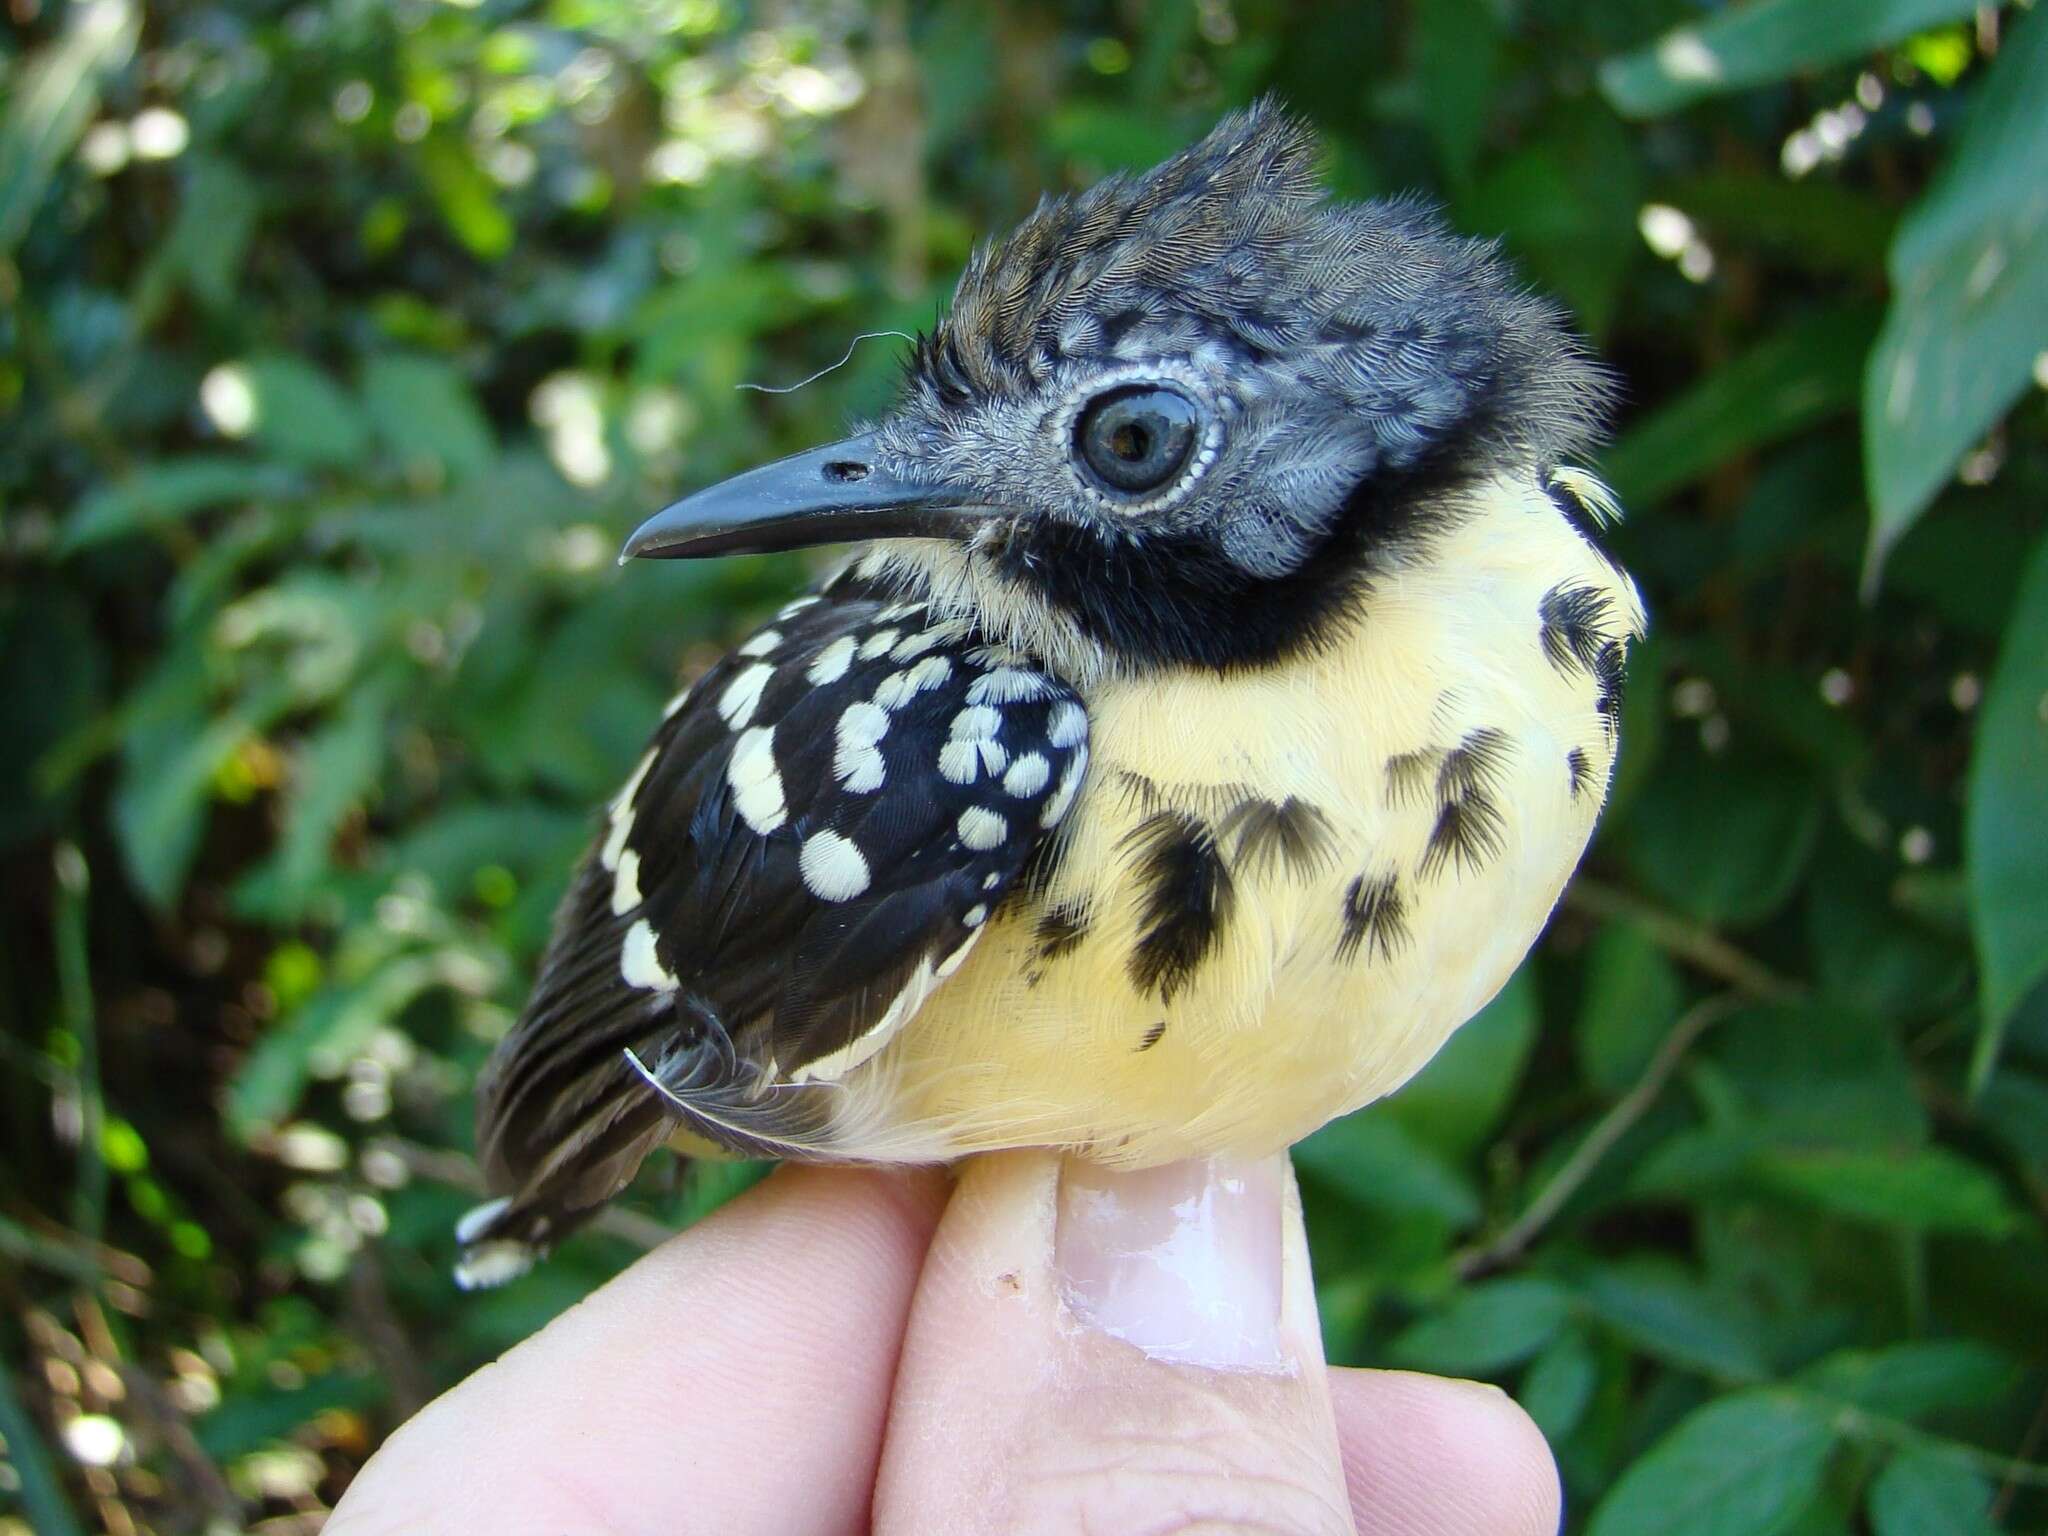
{"points": [[830, 495]]}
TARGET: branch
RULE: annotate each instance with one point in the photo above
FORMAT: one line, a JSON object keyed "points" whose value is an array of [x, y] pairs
{"points": [[1609, 1129], [1692, 942]]}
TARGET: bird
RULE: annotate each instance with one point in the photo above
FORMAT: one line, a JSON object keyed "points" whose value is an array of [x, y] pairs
{"points": [[1223, 686]]}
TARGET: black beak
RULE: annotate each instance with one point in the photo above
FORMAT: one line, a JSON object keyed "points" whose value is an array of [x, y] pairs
{"points": [[830, 495]]}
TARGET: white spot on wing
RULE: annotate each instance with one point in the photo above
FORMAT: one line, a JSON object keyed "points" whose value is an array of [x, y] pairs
{"points": [[959, 762], [833, 868], [856, 760], [1063, 797], [1027, 775], [1068, 726], [791, 609], [762, 643], [975, 915], [493, 1263], [982, 829], [1005, 685], [877, 643], [477, 1217], [626, 884], [976, 723], [832, 661], [899, 688], [621, 814], [639, 966], [736, 705], [756, 781]]}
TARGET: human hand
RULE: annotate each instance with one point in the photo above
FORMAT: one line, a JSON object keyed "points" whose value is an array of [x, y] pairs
{"points": [[1045, 1347]]}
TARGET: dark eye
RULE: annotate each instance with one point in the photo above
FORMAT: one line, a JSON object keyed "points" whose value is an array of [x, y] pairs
{"points": [[1136, 440]]}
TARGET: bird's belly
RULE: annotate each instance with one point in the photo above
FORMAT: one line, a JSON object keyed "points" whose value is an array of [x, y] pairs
{"points": [[1279, 893]]}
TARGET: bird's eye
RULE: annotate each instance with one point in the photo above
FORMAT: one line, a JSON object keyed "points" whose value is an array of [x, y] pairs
{"points": [[1137, 439]]}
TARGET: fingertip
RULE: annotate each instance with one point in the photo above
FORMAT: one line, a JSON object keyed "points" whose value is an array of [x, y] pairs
{"points": [[1429, 1456], [774, 1322]]}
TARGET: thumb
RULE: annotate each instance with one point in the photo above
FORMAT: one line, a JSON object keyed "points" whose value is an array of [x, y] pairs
{"points": [[1091, 1350]]}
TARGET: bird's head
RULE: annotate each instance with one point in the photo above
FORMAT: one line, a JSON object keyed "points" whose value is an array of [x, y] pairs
{"points": [[1185, 417]]}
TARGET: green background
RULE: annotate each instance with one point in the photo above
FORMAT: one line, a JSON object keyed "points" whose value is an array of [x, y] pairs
{"points": [[339, 344]]}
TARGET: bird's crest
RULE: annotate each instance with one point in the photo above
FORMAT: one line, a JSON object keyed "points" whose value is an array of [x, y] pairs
{"points": [[1234, 243]]}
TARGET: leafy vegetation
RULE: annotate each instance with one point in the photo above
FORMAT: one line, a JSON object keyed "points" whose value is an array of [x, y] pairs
{"points": [[342, 342]]}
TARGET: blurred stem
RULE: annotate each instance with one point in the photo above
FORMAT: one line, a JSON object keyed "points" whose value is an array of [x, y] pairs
{"points": [[2009, 1485], [1858, 1425], [1610, 1128], [41, 1493], [74, 989], [209, 1488], [1692, 942]]}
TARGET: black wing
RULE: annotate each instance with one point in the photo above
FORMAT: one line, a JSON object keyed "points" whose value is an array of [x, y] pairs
{"points": [[812, 842]]}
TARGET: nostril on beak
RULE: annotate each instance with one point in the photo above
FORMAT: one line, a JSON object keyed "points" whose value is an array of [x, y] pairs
{"points": [[846, 471]]}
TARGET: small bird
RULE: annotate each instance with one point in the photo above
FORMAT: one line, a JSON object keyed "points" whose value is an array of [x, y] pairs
{"points": [[1227, 692]]}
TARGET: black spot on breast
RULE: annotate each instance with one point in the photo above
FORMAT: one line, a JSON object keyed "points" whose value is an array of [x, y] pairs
{"points": [[1152, 1035], [1469, 825], [1184, 899], [1575, 626], [1610, 673], [1060, 931], [1580, 769], [1137, 791], [1291, 832], [1375, 914], [1408, 775]]}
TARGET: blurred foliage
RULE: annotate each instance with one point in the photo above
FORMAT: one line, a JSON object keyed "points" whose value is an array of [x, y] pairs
{"points": [[339, 344]]}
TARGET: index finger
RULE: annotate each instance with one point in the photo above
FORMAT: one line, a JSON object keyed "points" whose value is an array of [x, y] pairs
{"points": [[735, 1380]]}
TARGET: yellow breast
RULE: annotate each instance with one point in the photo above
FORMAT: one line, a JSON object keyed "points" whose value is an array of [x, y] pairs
{"points": [[1282, 889]]}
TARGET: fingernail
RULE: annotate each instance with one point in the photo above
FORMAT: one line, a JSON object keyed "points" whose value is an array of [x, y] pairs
{"points": [[1183, 1261]]}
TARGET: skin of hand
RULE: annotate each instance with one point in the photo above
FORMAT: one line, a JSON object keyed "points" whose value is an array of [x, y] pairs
{"points": [[1043, 1347]]}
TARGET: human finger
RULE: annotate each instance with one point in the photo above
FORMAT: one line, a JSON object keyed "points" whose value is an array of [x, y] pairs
{"points": [[734, 1380]]}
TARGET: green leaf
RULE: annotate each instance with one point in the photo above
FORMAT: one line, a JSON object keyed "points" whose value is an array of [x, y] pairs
{"points": [[50, 99], [173, 489], [1930, 1189], [53, 670], [1457, 65], [1632, 997], [1912, 1380], [1969, 310], [1804, 374], [467, 200], [1661, 1310], [1372, 1161], [1559, 1385], [302, 415], [1755, 44], [329, 1029], [217, 214], [167, 770], [1746, 1465], [2005, 834], [1820, 224], [1815, 1073], [1723, 840], [424, 411], [336, 768], [249, 1420], [1923, 1493], [1455, 1102], [1486, 1327]]}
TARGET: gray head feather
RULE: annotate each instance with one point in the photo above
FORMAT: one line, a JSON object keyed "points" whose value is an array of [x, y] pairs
{"points": [[1327, 345]]}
